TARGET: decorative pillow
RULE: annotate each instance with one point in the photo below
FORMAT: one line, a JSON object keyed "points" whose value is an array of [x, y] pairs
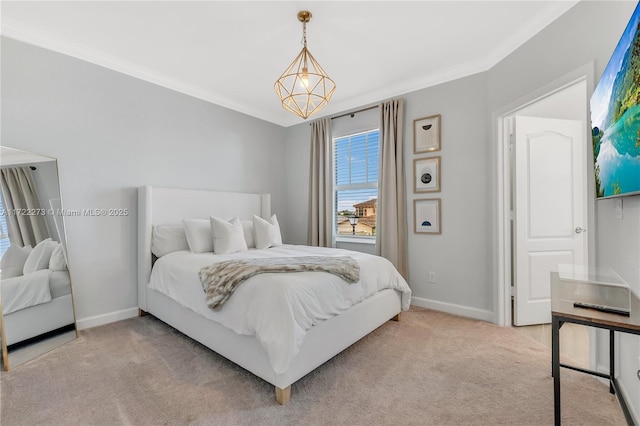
{"points": [[57, 261], [228, 236], [198, 235], [247, 226], [166, 239], [267, 232], [39, 257], [13, 260]]}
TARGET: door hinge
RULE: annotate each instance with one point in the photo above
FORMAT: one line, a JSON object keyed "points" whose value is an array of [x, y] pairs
{"points": [[513, 291]]}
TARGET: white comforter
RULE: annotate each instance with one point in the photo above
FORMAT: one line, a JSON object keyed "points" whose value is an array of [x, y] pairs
{"points": [[25, 291], [277, 308]]}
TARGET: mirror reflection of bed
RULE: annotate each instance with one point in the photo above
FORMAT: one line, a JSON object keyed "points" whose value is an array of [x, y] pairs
{"points": [[36, 309]]}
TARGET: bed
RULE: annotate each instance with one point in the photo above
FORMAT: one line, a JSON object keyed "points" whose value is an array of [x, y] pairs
{"points": [[35, 304], [315, 345]]}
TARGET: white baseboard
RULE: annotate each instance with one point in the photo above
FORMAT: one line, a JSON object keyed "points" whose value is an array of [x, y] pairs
{"points": [[450, 308], [622, 389], [604, 369], [106, 318], [454, 309], [625, 394]]}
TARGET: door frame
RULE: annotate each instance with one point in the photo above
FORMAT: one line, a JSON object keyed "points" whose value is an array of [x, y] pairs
{"points": [[502, 235]]}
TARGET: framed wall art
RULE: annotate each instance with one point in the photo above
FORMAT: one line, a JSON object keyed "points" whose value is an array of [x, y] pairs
{"points": [[426, 134], [426, 216], [426, 174]]}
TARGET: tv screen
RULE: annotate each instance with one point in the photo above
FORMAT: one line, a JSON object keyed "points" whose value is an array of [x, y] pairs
{"points": [[615, 118]]}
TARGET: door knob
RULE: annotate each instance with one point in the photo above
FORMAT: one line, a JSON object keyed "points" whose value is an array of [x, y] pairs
{"points": [[580, 230]]}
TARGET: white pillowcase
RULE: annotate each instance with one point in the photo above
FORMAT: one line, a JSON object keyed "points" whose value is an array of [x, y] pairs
{"points": [[39, 257], [57, 261], [267, 232], [247, 226], [166, 239], [228, 236], [198, 233], [13, 260]]}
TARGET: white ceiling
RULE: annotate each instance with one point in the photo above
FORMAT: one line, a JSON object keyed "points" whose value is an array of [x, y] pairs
{"points": [[231, 52]]}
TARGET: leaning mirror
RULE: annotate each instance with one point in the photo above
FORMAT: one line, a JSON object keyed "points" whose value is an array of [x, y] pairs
{"points": [[36, 298]]}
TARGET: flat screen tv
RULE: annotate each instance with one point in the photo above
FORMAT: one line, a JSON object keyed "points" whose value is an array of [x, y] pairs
{"points": [[615, 118]]}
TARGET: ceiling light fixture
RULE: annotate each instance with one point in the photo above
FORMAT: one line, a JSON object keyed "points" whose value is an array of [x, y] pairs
{"points": [[304, 88]]}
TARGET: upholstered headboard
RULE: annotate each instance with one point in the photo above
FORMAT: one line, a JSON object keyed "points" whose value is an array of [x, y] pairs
{"points": [[166, 206]]}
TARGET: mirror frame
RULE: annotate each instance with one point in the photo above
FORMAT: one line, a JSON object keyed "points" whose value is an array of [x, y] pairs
{"points": [[60, 226]]}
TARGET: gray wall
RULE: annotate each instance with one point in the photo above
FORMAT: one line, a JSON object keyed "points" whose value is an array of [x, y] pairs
{"points": [[112, 133], [587, 32], [619, 249], [296, 157], [463, 255], [465, 185]]}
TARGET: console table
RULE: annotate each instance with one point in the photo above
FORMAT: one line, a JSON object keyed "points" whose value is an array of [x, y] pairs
{"points": [[567, 289]]}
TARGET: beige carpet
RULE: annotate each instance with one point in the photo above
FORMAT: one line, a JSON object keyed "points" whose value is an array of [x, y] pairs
{"points": [[431, 368]]}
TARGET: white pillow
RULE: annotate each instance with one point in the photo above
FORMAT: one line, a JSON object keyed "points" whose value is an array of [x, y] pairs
{"points": [[198, 235], [57, 261], [13, 260], [228, 236], [267, 232], [247, 226], [166, 239], [39, 257]]}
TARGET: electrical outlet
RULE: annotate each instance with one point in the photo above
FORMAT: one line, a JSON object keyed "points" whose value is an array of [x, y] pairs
{"points": [[432, 277], [619, 208]]}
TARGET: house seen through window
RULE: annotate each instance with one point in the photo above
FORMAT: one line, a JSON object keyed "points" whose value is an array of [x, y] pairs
{"points": [[356, 183]]}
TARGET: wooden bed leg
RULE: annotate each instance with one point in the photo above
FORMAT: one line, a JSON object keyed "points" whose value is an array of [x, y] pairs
{"points": [[397, 317], [283, 395], [141, 313]]}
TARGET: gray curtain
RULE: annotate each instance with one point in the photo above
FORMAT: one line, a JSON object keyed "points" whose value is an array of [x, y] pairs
{"points": [[19, 195], [320, 224], [391, 231]]}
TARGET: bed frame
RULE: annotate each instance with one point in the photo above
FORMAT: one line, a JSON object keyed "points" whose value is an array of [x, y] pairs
{"points": [[165, 206], [20, 325]]}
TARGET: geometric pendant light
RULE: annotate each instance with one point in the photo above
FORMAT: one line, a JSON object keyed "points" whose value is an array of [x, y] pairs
{"points": [[304, 87]]}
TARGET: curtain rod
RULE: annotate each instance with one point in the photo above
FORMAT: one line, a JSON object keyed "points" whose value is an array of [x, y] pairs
{"points": [[354, 112]]}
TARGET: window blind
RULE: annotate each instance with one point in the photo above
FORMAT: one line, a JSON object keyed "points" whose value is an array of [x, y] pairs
{"points": [[4, 230], [356, 159]]}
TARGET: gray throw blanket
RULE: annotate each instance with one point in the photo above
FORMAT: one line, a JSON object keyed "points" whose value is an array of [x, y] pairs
{"points": [[221, 279]]}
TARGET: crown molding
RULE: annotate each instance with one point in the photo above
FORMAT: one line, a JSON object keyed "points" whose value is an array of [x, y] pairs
{"points": [[97, 57], [525, 32], [545, 17], [67, 47], [377, 95]]}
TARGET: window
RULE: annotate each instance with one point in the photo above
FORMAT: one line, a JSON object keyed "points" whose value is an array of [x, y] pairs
{"points": [[4, 230], [356, 159]]}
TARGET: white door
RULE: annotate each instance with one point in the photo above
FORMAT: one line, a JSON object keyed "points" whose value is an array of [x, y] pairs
{"points": [[550, 210]]}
